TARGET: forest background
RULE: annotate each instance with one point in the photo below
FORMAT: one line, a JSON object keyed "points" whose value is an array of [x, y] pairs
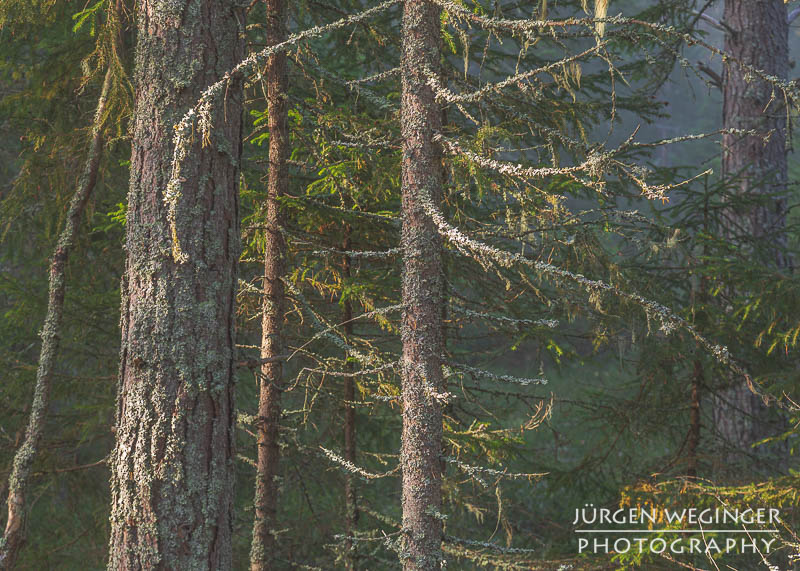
{"points": [[558, 393]]}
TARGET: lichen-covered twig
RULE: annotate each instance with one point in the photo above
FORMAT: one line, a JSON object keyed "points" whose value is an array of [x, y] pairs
{"points": [[476, 472], [359, 254], [668, 319], [469, 313], [352, 468], [481, 373], [446, 96], [14, 534]]}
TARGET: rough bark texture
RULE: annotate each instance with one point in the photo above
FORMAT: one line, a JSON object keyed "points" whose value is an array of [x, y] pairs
{"points": [[14, 534], [758, 37], [351, 505], [271, 377], [172, 466], [422, 294]]}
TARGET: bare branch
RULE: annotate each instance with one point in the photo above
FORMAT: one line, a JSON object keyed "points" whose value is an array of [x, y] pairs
{"points": [[718, 24]]}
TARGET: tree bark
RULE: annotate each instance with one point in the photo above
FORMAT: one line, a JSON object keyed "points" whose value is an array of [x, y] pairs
{"points": [[758, 37], [172, 466], [271, 377], [421, 329], [14, 535]]}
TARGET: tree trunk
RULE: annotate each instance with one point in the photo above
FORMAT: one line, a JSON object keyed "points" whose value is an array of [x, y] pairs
{"points": [[758, 37], [14, 534], [421, 330], [693, 440], [351, 506], [271, 377], [172, 467]]}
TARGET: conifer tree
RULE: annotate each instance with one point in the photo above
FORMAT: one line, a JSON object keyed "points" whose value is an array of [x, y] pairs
{"points": [[272, 343], [172, 467], [754, 162], [518, 246], [421, 330]]}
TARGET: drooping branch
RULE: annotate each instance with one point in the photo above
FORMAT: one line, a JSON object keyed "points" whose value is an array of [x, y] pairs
{"points": [[445, 95], [215, 94], [531, 26], [348, 466], [331, 331], [668, 319], [18, 481], [595, 164], [355, 87], [508, 25]]}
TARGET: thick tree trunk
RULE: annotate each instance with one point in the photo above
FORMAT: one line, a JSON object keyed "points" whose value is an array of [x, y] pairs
{"points": [[271, 377], [351, 506], [758, 37], [422, 293], [172, 467], [14, 534]]}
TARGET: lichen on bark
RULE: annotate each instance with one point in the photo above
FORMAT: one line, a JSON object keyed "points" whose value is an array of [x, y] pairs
{"points": [[172, 466], [422, 291]]}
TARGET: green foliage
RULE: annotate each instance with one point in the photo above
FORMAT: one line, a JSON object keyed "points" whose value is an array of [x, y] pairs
{"points": [[611, 424]]}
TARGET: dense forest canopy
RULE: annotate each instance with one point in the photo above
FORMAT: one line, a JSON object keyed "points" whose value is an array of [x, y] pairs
{"points": [[417, 284]]}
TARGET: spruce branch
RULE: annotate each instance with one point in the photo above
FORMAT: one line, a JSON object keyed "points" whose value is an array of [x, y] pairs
{"points": [[668, 319]]}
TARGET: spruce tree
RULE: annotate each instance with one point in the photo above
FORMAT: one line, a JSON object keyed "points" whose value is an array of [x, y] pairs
{"points": [[272, 344]]}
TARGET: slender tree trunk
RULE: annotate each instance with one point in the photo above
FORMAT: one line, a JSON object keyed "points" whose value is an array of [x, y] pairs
{"points": [[693, 440], [271, 377], [172, 467], [422, 293], [759, 38], [693, 443], [14, 534], [351, 506]]}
